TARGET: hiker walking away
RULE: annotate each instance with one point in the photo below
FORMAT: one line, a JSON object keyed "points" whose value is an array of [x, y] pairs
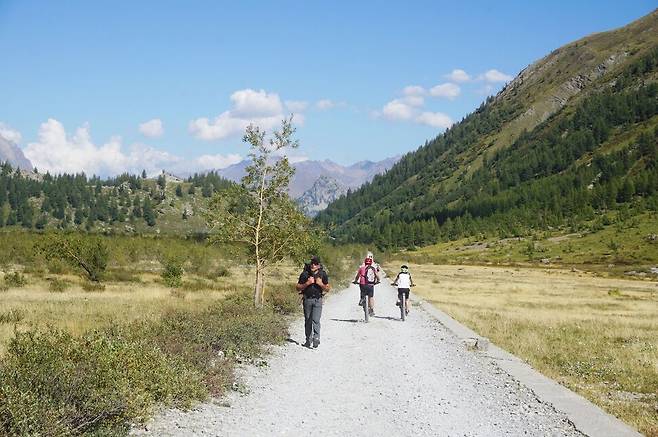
{"points": [[404, 283], [313, 284], [367, 277]]}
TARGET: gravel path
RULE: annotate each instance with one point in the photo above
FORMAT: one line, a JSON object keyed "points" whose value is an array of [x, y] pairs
{"points": [[386, 377]]}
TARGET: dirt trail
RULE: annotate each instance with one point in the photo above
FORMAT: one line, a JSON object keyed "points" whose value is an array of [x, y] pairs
{"points": [[386, 377]]}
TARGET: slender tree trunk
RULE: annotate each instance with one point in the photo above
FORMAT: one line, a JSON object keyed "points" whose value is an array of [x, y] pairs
{"points": [[258, 287]]}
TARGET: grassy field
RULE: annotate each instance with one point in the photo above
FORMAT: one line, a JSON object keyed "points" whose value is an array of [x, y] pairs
{"points": [[81, 357], [595, 335], [144, 297], [610, 245]]}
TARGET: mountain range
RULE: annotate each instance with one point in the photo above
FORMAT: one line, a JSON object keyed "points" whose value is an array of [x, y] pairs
{"points": [[10, 152], [318, 183], [574, 135]]}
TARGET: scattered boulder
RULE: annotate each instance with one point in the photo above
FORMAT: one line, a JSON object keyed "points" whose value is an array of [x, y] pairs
{"points": [[479, 343]]}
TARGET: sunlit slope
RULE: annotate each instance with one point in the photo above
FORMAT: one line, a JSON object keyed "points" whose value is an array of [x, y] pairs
{"points": [[537, 139]]}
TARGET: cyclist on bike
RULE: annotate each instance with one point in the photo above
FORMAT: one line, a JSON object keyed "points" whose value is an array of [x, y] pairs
{"points": [[404, 282], [367, 277]]}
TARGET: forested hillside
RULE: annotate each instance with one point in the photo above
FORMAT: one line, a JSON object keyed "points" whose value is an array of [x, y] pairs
{"points": [[574, 135], [124, 203]]}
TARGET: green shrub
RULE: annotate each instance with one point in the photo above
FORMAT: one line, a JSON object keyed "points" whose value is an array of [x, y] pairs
{"points": [[15, 280], [57, 267], [122, 275], [89, 254], [216, 273], [92, 286], [58, 285], [52, 383], [172, 273], [284, 299]]}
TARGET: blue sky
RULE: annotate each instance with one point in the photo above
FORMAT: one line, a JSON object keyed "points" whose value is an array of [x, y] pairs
{"points": [[78, 78]]}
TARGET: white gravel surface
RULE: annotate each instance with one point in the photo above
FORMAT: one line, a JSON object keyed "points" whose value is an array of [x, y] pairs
{"points": [[386, 377]]}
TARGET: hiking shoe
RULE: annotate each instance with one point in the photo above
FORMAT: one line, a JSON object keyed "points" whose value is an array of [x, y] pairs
{"points": [[361, 302], [372, 312], [316, 342], [397, 304], [307, 344]]}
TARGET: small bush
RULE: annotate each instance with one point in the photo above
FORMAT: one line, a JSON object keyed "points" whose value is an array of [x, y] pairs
{"points": [[283, 299], [52, 383], [12, 316], [615, 293], [58, 285], [216, 273], [173, 272], [91, 286], [15, 280], [122, 275], [57, 266]]}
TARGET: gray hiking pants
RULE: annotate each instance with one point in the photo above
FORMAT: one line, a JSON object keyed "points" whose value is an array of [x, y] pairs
{"points": [[312, 313]]}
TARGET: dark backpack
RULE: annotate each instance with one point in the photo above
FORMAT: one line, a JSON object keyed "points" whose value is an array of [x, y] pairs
{"points": [[370, 275]]}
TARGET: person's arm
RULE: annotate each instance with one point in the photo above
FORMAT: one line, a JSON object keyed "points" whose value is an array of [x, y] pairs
{"points": [[395, 282], [358, 274], [301, 284], [411, 281], [323, 282]]}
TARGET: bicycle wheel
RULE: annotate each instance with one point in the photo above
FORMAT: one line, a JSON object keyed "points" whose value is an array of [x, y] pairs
{"points": [[403, 305], [366, 313]]}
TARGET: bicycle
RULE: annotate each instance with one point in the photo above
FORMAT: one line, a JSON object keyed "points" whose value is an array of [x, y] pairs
{"points": [[364, 304], [403, 303]]}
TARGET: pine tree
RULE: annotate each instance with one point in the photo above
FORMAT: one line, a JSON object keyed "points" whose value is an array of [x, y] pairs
{"points": [[148, 212]]}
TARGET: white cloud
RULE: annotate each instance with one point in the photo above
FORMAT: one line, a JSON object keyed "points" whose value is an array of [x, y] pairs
{"points": [[152, 128], [414, 90], [458, 75], [296, 105], [494, 75], [414, 101], [397, 110], [58, 152], [211, 162], [435, 119], [10, 134], [250, 103], [325, 104], [249, 107], [447, 90]]}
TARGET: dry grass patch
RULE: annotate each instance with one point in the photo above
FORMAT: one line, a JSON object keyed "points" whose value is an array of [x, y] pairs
{"points": [[596, 336], [145, 298]]}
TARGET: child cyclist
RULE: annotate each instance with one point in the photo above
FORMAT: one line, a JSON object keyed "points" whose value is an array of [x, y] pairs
{"points": [[404, 282]]}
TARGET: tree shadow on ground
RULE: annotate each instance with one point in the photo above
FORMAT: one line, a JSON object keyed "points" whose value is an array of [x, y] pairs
{"points": [[346, 320], [397, 319]]}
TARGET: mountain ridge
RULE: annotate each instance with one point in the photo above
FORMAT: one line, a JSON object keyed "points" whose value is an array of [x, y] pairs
{"points": [[606, 72]]}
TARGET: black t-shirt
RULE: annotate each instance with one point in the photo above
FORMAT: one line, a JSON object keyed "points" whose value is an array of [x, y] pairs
{"points": [[313, 290]]}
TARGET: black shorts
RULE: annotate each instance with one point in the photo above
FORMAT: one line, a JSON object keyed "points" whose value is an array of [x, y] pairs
{"points": [[404, 291], [367, 290]]}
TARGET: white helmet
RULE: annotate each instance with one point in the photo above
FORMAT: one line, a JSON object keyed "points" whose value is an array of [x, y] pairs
{"points": [[370, 255]]}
